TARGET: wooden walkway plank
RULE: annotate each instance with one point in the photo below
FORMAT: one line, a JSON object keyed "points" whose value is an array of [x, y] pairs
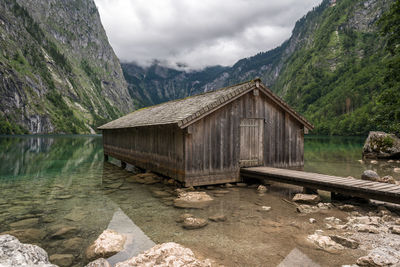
{"points": [[350, 186]]}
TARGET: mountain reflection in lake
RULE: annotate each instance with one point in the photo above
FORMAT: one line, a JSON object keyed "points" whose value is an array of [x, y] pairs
{"points": [[57, 192]]}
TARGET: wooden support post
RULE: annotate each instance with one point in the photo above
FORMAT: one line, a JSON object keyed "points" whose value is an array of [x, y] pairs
{"points": [[123, 164], [105, 157]]}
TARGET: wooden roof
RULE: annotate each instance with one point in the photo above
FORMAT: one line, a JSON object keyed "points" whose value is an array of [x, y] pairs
{"points": [[184, 112]]}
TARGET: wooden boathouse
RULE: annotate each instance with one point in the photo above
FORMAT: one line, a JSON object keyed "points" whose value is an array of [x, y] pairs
{"points": [[206, 139]]}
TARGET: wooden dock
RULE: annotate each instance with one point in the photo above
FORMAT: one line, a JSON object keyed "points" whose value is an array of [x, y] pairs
{"points": [[347, 186]]}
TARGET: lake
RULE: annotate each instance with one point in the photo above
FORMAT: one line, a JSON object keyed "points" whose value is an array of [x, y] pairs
{"points": [[56, 192]]}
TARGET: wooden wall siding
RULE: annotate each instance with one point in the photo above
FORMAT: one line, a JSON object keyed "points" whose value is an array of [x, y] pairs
{"points": [[212, 147], [157, 148], [208, 151]]}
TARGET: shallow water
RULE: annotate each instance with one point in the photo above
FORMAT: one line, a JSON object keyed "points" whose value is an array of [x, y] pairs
{"points": [[49, 183]]}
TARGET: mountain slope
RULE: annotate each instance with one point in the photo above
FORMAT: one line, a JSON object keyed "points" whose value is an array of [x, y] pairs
{"points": [[58, 72], [331, 69]]}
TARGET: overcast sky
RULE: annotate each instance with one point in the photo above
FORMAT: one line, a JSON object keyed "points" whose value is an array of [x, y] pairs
{"points": [[198, 33]]}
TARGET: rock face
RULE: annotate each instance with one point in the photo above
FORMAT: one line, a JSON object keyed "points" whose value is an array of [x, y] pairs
{"points": [[167, 254], [381, 145], [58, 71], [15, 253], [306, 198], [194, 200], [106, 245]]}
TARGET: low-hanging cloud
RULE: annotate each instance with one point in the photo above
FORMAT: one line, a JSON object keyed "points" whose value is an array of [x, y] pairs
{"points": [[198, 33]]}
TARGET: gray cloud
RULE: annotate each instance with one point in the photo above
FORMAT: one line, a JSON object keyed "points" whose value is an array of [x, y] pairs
{"points": [[198, 33]]}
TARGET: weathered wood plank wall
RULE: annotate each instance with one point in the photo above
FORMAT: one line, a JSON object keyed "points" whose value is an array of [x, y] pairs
{"points": [[212, 147], [156, 148]]}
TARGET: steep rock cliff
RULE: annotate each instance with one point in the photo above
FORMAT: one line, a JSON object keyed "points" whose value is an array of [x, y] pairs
{"points": [[58, 72]]}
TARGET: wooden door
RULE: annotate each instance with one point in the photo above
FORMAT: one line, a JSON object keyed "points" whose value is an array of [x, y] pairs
{"points": [[251, 142]]}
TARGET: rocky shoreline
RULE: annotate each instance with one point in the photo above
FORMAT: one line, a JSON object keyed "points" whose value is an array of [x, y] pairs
{"points": [[371, 231]]}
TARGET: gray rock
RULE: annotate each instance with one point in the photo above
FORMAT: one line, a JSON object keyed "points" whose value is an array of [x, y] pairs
{"points": [[195, 200], [324, 242], [15, 253], [106, 245], [166, 254], [217, 218], [387, 179], [381, 145], [99, 263], [375, 259], [396, 230], [306, 198], [346, 242], [62, 260], [194, 223], [370, 175], [182, 217]]}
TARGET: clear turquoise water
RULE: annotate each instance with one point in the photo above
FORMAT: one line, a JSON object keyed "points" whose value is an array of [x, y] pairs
{"points": [[51, 182]]}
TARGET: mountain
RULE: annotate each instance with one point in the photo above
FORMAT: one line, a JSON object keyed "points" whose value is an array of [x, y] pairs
{"points": [[157, 84], [58, 72], [332, 69]]}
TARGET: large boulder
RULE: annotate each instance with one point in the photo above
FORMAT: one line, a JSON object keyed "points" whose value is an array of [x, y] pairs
{"points": [[106, 245], [167, 254], [15, 253], [381, 145], [194, 200]]}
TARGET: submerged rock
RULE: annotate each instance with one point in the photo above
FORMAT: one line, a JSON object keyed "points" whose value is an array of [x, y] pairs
{"points": [[15, 253], [306, 198], [194, 223], [182, 217], [262, 189], [195, 200], [167, 254], [346, 242], [24, 223], [62, 260], [217, 218], [381, 145], [27, 235], [63, 231], [107, 244]]}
